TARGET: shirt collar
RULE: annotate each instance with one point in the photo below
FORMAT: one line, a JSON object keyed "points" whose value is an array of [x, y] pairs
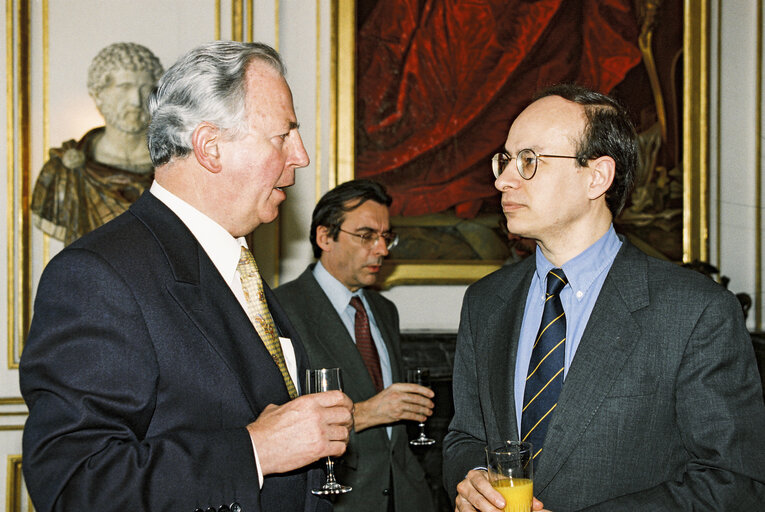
{"points": [[223, 249], [582, 270], [338, 294]]}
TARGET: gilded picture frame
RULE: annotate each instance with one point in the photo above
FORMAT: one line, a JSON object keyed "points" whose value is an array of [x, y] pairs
{"points": [[695, 117]]}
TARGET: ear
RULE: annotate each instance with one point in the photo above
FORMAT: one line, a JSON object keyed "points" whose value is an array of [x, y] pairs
{"points": [[323, 240], [602, 172], [204, 143]]}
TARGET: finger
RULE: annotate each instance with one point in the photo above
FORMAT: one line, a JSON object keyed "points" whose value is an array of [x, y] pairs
{"points": [[420, 415], [479, 480], [329, 399], [336, 448], [469, 498], [407, 387], [462, 505]]}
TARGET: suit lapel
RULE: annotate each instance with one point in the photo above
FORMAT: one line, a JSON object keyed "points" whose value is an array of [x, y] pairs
{"points": [[503, 329], [210, 305], [335, 340], [603, 350]]}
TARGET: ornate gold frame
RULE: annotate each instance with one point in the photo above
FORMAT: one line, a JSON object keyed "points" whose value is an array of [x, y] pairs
{"points": [[695, 146]]}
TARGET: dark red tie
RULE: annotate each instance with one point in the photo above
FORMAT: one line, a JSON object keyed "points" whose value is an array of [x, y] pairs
{"points": [[366, 345]]}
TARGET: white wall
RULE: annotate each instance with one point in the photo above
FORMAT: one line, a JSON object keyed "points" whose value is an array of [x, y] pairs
{"points": [[735, 74]]}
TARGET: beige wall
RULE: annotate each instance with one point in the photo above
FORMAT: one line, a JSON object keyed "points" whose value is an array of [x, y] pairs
{"points": [[64, 35]]}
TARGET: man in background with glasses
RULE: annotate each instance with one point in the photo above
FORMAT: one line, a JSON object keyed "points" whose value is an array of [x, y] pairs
{"points": [[633, 378], [344, 324]]}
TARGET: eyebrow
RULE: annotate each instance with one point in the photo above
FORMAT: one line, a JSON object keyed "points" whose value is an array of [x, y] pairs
{"points": [[371, 230]]}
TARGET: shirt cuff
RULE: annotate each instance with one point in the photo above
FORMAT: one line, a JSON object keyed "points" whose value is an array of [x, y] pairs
{"points": [[257, 464]]}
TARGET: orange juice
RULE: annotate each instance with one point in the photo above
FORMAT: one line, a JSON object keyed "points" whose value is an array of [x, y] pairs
{"points": [[518, 493]]}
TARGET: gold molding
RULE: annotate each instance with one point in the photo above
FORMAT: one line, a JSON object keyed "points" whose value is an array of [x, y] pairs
{"points": [[14, 400], [402, 272], [251, 20], [217, 20], [11, 175], [695, 130], [14, 485], [18, 59], [345, 90], [237, 21]]}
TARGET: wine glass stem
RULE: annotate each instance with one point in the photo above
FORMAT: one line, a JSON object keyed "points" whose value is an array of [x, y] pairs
{"points": [[330, 471]]}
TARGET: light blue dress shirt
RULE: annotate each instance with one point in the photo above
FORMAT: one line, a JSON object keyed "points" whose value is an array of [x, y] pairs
{"points": [[340, 297], [586, 274]]}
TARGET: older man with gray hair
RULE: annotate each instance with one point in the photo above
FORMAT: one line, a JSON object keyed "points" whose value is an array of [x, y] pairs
{"points": [[159, 371]]}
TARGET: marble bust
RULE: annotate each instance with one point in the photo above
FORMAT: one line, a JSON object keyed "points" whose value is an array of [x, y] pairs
{"points": [[85, 183]]}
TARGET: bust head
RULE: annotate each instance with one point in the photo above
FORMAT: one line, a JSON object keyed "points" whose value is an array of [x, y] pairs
{"points": [[120, 79]]}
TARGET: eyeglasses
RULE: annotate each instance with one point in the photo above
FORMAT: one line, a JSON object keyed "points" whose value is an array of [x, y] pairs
{"points": [[370, 238], [526, 162]]}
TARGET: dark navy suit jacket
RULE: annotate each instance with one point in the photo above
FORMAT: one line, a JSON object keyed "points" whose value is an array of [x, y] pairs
{"points": [[141, 372]]}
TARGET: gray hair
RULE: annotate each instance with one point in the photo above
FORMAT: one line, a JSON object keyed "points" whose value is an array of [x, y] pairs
{"points": [[118, 56], [206, 84]]}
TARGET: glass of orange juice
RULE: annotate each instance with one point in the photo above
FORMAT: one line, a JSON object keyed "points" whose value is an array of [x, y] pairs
{"points": [[511, 472]]}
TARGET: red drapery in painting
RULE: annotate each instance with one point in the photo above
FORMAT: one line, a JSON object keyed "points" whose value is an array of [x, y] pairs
{"points": [[439, 82]]}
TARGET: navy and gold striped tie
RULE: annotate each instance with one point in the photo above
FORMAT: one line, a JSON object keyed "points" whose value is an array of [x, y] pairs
{"points": [[545, 376]]}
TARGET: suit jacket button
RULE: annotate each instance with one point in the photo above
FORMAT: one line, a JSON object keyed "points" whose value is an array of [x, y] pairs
{"points": [[235, 507], [224, 508], [386, 492], [210, 509], [198, 510]]}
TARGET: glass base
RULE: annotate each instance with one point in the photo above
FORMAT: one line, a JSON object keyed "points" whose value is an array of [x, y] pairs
{"points": [[422, 441], [330, 489]]}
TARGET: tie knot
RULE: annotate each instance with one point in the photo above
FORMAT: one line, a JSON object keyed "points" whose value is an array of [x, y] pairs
{"points": [[556, 280], [357, 304], [247, 265]]}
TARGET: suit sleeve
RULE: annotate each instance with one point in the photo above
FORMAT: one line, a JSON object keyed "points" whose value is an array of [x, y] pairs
{"points": [[466, 437], [90, 377], [720, 416]]}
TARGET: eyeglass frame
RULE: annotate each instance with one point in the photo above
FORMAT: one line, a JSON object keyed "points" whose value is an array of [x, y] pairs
{"points": [[519, 166], [370, 238]]}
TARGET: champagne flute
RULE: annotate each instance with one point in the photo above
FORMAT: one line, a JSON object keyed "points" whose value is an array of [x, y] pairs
{"points": [[420, 376], [318, 381]]}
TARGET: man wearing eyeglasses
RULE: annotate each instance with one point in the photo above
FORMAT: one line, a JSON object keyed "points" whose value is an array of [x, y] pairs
{"points": [[344, 324], [634, 379]]}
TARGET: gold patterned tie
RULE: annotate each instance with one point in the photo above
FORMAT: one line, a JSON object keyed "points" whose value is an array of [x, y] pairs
{"points": [[260, 316]]}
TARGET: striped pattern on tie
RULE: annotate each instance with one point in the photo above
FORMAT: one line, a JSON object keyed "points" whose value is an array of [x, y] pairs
{"points": [[544, 379], [365, 344], [258, 313]]}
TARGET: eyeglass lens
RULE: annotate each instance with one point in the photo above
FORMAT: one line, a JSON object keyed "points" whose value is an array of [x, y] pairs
{"points": [[525, 162]]}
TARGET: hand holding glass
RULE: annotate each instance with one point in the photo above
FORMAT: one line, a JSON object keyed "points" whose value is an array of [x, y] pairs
{"points": [[318, 381], [511, 472], [420, 376]]}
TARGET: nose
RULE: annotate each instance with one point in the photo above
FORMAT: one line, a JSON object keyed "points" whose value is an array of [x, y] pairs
{"points": [[134, 96], [299, 157], [508, 179], [380, 247]]}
